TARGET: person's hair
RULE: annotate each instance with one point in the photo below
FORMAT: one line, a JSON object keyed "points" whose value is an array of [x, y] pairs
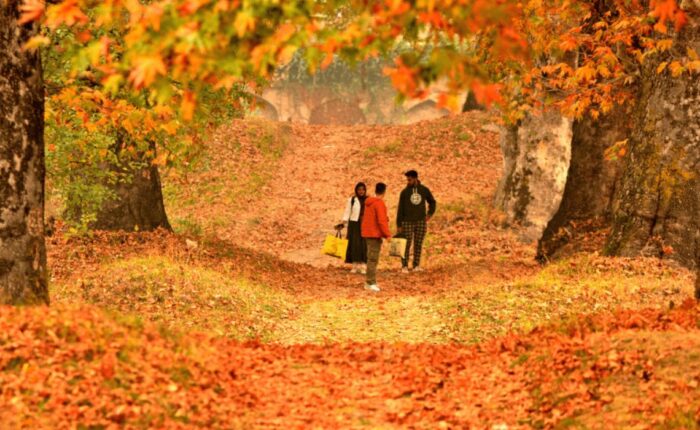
{"points": [[360, 185], [380, 188], [411, 174]]}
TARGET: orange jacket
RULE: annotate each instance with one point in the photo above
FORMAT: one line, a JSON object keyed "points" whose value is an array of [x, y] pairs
{"points": [[375, 222]]}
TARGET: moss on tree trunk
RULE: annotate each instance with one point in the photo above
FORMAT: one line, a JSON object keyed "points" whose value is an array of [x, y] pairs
{"points": [[657, 206]]}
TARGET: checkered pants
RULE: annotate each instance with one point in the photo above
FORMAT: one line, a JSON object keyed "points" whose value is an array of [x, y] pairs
{"points": [[414, 231]]}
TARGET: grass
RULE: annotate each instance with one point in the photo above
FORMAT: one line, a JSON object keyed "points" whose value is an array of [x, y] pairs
{"points": [[390, 148], [184, 296], [181, 296], [580, 285]]}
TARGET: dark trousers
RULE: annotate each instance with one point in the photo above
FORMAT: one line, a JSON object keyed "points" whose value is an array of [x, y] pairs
{"points": [[414, 231], [374, 246]]}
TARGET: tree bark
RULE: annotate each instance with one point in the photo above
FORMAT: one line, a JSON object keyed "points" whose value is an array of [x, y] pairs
{"points": [[23, 276], [471, 104], [139, 203], [657, 206], [591, 181], [536, 156]]}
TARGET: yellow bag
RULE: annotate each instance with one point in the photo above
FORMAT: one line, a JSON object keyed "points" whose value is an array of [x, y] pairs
{"points": [[341, 249], [335, 246]]}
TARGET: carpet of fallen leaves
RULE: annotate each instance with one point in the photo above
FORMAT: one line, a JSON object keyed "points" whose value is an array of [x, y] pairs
{"points": [[81, 368], [236, 321]]}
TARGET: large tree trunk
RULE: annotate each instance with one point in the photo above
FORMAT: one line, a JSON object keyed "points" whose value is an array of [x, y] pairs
{"points": [[471, 104], [591, 182], [657, 205], [23, 276], [536, 156], [138, 205]]}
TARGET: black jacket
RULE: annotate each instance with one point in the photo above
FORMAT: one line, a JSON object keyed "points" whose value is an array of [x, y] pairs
{"points": [[412, 204]]}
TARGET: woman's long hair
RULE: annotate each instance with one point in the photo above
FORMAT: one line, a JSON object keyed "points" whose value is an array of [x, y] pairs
{"points": [[361, 198]]}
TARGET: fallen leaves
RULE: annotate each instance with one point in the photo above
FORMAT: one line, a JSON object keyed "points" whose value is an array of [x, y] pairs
{"points": [[80, 367]]}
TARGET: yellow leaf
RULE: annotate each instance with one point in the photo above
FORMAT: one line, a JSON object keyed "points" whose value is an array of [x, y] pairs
{"points": [[111, 83], [36, 42], [676, 69], [170, 127], [694, 66], [661, 67], [128, 125], [286, 54], [665, 44], [603, 71], [585, 73], [692, 54], [244, 21]]}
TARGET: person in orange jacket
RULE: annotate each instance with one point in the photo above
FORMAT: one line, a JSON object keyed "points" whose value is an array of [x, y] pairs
{"points": [[375, 227]]}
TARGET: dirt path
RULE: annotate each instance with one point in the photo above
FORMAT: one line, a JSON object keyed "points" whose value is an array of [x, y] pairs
{"points": [[286, 203], [312, 175]]}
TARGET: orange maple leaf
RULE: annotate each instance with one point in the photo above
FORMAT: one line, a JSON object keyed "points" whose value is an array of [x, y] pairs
{"points": [[487, 94], [187, 106], [31, 10], [65, 13], [146, 70]]}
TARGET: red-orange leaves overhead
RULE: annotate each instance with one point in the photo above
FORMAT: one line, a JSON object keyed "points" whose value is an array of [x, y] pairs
{"points": [[487, 93], [32, 10], [667, 10], [402, 77], [145, 70], [65, 13]]}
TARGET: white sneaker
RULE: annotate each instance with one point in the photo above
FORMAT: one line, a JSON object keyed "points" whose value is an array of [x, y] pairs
{"points": [[362, 270], [372, 287], [404, 270], [417, 269]]}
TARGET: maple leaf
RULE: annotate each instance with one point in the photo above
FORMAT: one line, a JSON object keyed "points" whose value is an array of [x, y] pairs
{"points": [[244, 22], [187, 106], [676, 69], [145, 70], [487, 94], [585, 73], [67, 13], [32, 10], [36, 42], [661, 67], [568, 44]]}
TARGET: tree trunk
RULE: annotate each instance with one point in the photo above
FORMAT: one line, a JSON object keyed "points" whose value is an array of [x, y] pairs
{"points": [[591, 182], [536, 154], [23, 276], [139, 202], [657, 206], [471, 104]]}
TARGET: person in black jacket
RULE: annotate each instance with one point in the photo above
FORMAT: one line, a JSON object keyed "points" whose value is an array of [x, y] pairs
{"points": [[412, 218]]}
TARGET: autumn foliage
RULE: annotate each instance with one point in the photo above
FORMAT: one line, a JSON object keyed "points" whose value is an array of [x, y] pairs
{"points": [[67, 367]]}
